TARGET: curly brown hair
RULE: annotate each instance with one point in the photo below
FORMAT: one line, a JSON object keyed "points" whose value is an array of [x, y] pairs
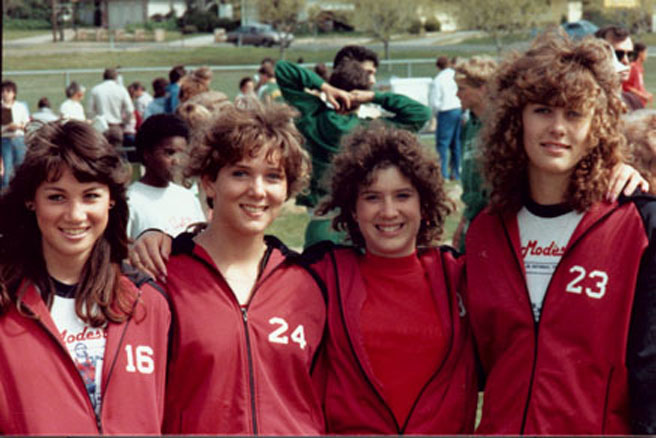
{"points": [[640, 132], [559, 72], [374, 147], [236, 133]]}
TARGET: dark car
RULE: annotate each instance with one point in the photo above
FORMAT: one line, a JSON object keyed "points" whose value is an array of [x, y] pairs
{"points": [[259, 34], [579, 29]]}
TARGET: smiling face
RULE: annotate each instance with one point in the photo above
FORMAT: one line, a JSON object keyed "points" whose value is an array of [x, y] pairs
{"points": [[388, 214], [554, 139], [71, 216], [247, 195]]}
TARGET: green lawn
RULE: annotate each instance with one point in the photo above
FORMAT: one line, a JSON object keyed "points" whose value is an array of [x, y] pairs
{"points": [[15, 34]]}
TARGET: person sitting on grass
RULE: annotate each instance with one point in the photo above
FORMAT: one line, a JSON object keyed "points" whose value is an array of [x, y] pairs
{"points": [[155, 201]]}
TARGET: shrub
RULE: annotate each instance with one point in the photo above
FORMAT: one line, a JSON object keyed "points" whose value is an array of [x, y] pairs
{"points": [[25, 24], [432, 24], [206, 21]]}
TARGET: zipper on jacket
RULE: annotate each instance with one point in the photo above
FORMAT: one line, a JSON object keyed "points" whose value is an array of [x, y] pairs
{"points": [[244, 316], [536, 324], [251, 371]]}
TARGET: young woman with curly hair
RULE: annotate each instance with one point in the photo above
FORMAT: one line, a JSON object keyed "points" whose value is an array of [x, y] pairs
{"points": [[248, 316], [560, 283], [83, 347], [398, 357]]}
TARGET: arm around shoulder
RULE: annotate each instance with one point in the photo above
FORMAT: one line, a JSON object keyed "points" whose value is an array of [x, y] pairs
{"points": [[641, 360]]}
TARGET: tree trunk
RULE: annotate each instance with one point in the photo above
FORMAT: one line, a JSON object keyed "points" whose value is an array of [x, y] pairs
{"points": [[53, 19]]}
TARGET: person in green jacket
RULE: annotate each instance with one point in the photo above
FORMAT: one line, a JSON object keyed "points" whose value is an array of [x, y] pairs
{"points": [[325, 122], [472, 76]]}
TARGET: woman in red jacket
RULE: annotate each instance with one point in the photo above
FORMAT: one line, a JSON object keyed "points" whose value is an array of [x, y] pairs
{"points": [[83, 348], [398, 356], [561, 286], [248, 317]]}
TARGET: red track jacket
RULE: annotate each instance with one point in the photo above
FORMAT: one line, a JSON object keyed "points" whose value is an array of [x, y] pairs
{"points": [[244, 370], [352, 402], [42, 393], [568, 374]]}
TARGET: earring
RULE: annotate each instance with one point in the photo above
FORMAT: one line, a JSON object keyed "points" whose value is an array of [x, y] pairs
{"points": [[30, 205]]}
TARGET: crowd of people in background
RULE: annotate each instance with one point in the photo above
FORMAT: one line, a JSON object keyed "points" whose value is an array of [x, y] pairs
{"points": [[166, 281]]}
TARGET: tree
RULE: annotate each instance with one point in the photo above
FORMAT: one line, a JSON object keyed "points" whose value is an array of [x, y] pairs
{"points": [[384, 18], [283, 16], [499, 17]]}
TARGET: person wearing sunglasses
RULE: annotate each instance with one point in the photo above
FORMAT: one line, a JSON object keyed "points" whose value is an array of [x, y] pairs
{"points": [[622, 44]]}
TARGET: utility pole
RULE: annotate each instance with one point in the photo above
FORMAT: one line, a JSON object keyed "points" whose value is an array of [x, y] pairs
{"points": [[53, 19]]}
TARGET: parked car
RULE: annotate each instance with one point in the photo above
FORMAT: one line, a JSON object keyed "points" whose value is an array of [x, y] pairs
{"points": [[259, 34], [579, 29]]}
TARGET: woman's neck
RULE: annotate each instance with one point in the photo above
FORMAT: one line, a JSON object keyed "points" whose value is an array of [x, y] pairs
{"points": [[66, 271], [228, 248], [548, 189]]}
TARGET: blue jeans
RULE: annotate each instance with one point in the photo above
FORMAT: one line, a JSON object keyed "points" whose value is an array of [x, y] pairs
{"points": [[447, 138], [13, 153]]}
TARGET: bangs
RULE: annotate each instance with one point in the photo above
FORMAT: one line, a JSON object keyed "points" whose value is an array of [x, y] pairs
{"points": [[573, 88]]}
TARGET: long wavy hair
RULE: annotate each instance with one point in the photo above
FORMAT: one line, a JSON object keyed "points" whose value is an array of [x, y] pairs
{"points": [[379, 146], [51, 150], [559, 72]]}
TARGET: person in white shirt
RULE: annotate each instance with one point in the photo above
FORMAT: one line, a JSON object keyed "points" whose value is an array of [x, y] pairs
{"points": [[71, 108], [44, 114], [111, 101], [15, 117], [447, 108], [155, 201], [141, 99]]}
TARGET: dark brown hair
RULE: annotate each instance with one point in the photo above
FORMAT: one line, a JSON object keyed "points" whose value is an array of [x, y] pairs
{"points": [[379, 146], [559, 72], [53, 148], [235, 133]]}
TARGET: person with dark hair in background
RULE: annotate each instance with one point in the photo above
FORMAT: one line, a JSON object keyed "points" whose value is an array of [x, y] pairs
{"points": [[14, 119], [246, 96], [83, 343], [173, 88], [367, 58], [622, 45], [45, 114], [267, 89], [636, 81], [443, 99], [72, 108], [111, 101], [324, 123], [158, 104], [155, 201]]}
